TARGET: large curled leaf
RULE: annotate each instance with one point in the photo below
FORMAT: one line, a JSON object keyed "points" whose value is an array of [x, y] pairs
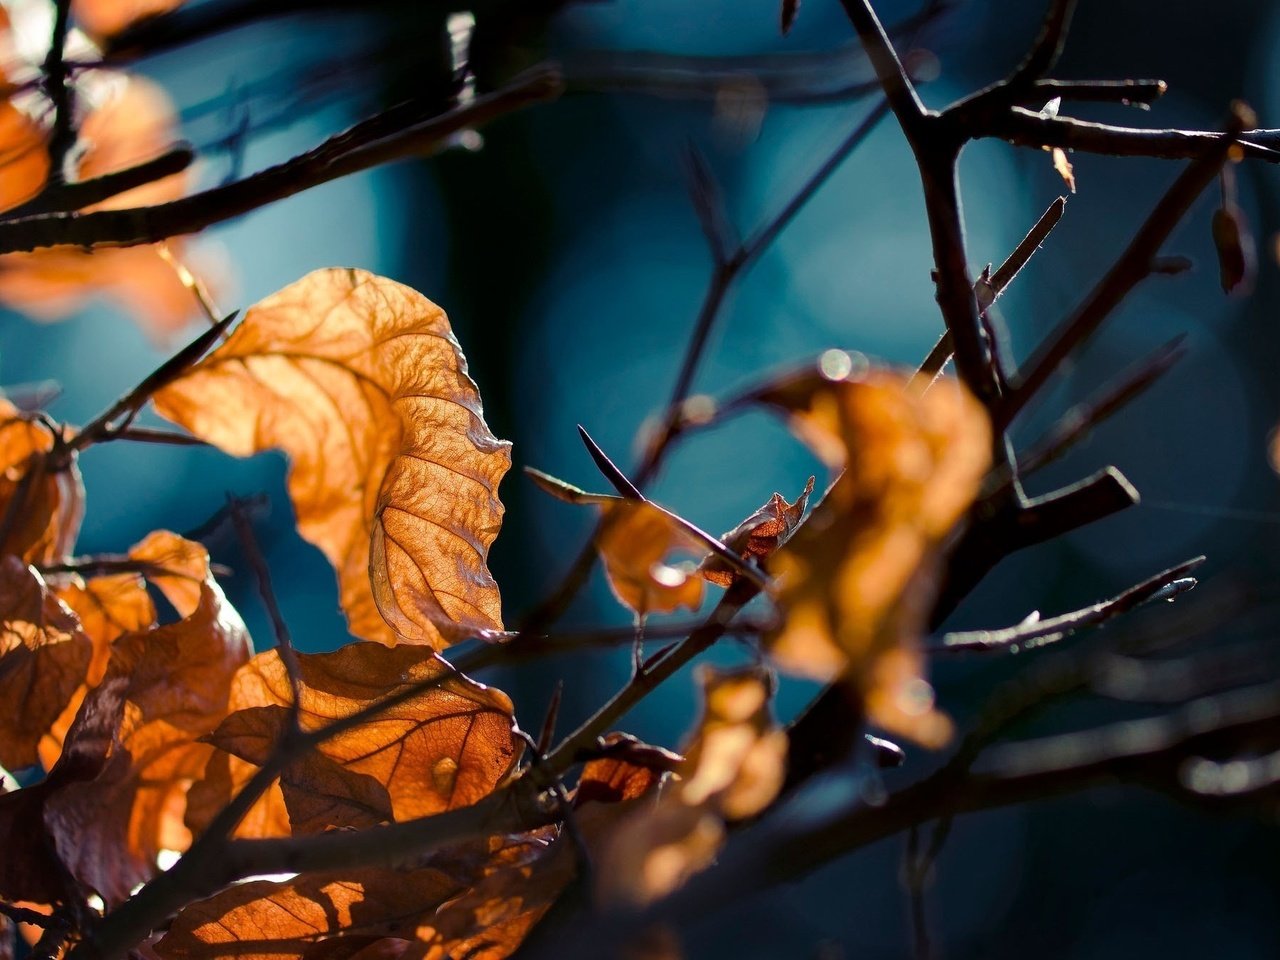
{"points": [[111, 829], [445, 747], [394, 473], [856, 582]]}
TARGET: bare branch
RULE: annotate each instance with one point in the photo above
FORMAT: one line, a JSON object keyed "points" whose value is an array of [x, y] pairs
{"points": [[373, 142], [1166, 585]]}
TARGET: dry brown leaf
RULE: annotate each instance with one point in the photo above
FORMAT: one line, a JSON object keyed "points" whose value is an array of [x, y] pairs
{"points": [[734, 768], [394, 473], [264, 920], [639, 542], [44, 657], [758, 535], [856, 582], [106, 18], [111, 829], [478, 901], [31, 869], [447, 747], [40, 508], [135, 122]]}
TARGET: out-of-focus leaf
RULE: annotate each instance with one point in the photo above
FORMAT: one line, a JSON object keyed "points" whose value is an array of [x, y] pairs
{"points": [[856, 582], [135, 122], [758, 535], [734, 767], [639, 543], [1064, 169], [40, 508], [111, 829], [44, 656], [106, 18], [447, 747], [1237, 259], [394, 473]]}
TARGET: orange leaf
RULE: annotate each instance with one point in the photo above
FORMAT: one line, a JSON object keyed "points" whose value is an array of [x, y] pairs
{"points": [[111, 829], [637, 542], [446, 747], [40, 510], [43, 660], [263, 920], [758, 535], [857, 581], [135, 122], [24, 155], [394, 473], [106, 18], [733, 769], [478, 901]]}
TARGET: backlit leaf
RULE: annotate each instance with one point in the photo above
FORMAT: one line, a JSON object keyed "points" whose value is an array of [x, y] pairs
{"points": [[394, 473], [641, 546], [758, 535], [856, 582], [446, 747], [40, 508], [734, 767]]}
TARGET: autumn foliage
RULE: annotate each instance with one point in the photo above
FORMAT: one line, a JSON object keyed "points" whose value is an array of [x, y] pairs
{"points": [[375, 802]]}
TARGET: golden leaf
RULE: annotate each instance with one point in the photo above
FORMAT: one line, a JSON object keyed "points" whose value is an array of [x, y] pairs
{"points": [[394, 474], [637, 542], [135, 122], [40, 508], [106, 18], [734, 767], [856, 582], [1063, 166], [444, 748]]}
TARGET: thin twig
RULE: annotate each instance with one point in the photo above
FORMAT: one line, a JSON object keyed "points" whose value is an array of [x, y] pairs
{"points": [[1130, 269], [1165, 585], [120, 414], [280, 627]]}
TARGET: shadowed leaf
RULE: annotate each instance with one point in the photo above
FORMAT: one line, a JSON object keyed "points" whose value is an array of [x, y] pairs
{"points": [[444, 748], [44, 657], [110, 830]]}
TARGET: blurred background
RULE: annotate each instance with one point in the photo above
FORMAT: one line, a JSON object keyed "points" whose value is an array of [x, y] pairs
{"points": [[563, 245]]}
